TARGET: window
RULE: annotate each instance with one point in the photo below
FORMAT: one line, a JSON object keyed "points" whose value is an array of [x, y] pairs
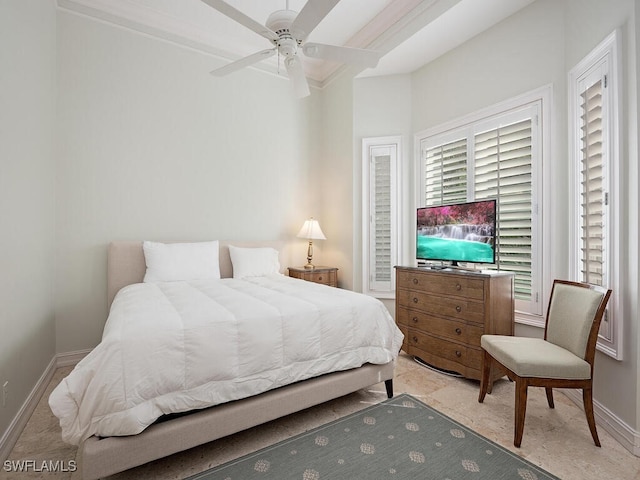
{"points": [[380, 214], [594, 150], [497, 154]]}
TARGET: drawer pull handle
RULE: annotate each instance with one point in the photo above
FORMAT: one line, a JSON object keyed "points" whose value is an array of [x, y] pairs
{"points": [[415, 281], [319, 279], [415, 299], [458, 331], [458, 353], [458, 308], [415, 319], [415, 339], [458, 287]]}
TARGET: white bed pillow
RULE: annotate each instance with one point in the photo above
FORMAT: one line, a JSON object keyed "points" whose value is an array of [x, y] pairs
{"points": [[171, 262], [254, 262]]}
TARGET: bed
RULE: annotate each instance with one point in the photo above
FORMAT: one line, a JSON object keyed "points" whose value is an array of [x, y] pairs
{"points": [[222, 408]]}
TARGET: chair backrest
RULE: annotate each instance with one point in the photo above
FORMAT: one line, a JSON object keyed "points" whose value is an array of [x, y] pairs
{"points": [[574, 315]]}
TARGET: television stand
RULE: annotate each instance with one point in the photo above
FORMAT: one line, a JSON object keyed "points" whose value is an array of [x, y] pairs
{"points": [[443, 314]]}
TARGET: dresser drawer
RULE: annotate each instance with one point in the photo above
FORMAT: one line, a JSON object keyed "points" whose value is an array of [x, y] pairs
{"points": [[324, 275], [452, 307], [469, 334], [327, 278], [444, 349], [442, 284]]}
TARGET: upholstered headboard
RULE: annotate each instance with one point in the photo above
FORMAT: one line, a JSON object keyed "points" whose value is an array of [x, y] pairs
{"points": [[126, 264]]}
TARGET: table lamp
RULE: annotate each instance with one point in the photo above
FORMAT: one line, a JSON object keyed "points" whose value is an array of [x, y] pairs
{"points": [[311, 231]]}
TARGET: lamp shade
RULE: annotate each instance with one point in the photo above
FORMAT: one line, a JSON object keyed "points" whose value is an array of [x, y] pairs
{"points": [[311, 230]]}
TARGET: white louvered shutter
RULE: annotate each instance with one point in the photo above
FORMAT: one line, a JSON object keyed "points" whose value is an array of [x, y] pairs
{"points": [[445, 173], [503, 171], [381, 268], [592, 197], [380, 255]]}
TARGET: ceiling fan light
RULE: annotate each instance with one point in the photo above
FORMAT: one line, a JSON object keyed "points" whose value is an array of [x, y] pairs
{"points": [[287, 47]]}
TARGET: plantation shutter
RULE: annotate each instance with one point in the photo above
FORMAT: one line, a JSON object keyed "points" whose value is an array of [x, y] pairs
{"points": [[381, 266], [503, 171], [592, 196], [445, 177], [380, 215]]}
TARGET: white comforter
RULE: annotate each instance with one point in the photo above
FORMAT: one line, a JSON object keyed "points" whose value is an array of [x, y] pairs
{"points": [[178, 346]]}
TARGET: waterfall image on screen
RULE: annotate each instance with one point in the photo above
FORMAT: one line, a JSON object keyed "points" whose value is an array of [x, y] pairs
{"points": [[463, 232]]}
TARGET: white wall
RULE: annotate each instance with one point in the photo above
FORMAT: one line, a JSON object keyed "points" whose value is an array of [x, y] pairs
{"points": [[150, 146], [27, 214], [333, 179]]}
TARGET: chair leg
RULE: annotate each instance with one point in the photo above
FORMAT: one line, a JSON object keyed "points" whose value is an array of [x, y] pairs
{"points": [[520, 410], [549, 391], [587, 397], [484, 381]]}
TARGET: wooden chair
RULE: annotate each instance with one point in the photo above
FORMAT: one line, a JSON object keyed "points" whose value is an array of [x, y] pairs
{"points": [[563, 359]]}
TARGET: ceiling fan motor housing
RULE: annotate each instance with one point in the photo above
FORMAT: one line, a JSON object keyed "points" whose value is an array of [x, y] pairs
{"points": [[280, 21]]}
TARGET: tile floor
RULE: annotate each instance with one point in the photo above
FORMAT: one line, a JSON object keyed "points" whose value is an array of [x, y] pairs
{"points": [[557, 440]]}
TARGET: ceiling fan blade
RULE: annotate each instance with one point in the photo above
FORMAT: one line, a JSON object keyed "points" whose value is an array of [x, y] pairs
{"points": [[297, 77], [241, 18], [243, 62], [310, 16], [349, 55]]}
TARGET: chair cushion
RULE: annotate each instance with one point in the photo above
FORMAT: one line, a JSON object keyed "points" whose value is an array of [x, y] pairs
{"points": [[534, 357]]}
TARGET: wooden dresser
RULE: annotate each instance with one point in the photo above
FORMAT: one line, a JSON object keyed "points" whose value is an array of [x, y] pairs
{"points": [[443, 313]]}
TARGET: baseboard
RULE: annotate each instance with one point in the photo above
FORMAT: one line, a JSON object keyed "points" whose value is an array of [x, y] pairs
{"points": [[607, 420], [11, 435], [70, 358]]}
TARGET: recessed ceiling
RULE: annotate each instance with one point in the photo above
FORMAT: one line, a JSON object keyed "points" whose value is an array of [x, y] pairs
{"points": [[409, 33]]}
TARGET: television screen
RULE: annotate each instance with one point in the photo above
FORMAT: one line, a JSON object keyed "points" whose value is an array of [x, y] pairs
{"points": [[462, 232]]}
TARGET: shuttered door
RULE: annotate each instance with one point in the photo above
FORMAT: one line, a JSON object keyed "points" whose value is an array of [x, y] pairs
{"points": [[503, 171]]}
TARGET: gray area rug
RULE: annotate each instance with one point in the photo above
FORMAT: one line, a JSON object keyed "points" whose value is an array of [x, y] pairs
{"points": [[400, 438]]}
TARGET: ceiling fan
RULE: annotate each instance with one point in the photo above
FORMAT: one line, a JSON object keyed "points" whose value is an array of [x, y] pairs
{"points": [[287, 31]]}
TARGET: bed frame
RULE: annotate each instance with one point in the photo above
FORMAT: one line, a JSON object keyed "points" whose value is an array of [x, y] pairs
{"points": [[105, 456]]}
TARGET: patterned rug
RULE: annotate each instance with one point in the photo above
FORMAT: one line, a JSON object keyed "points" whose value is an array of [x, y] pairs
{"points": [[400, 438]]}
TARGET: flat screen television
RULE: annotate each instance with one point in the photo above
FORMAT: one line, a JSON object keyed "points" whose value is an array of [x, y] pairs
{"points": [[460, 232]]}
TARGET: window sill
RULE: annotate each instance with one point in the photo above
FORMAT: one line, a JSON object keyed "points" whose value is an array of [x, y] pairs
{"points": [[529, 319]]}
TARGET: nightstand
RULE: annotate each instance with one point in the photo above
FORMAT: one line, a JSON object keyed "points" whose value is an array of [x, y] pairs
{"points": [[324, 275]]}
